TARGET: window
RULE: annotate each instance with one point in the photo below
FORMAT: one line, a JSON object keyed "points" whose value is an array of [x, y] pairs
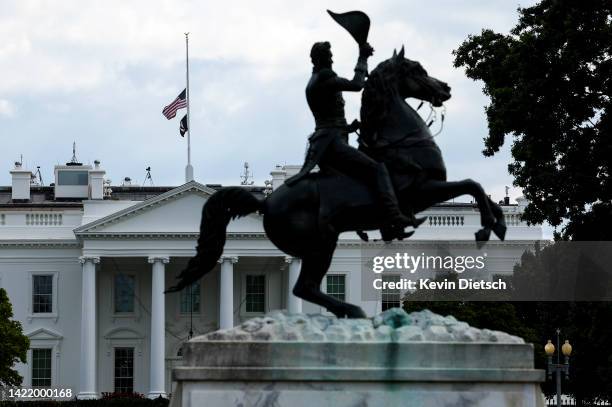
{"points": [[336, 286], [42, 294], [391, 298], [72, 178], [41, 367], [124, 370], [124, 293], [255, 293], [190, 298]]}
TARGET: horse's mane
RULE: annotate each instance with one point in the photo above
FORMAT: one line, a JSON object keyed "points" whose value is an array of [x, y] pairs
{"points": [[376, 98]]}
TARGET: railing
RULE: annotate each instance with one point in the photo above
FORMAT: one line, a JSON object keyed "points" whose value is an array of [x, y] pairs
{"points": [[43, 219], [513, 219], [445, 220], [569, 401]]}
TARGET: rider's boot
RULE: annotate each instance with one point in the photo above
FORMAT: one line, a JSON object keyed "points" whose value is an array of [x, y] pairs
{"points": [[395, 221]]}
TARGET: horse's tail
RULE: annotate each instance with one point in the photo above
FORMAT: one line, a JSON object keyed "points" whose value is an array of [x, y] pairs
{"points": [[223, 206]]}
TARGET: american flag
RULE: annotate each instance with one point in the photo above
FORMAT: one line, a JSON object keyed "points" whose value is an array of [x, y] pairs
{"points": [[179, 103]]}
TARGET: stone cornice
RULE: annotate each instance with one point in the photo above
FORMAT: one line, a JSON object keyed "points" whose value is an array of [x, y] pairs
{"points": [[40, 243], [430, 243], [167, 235]]}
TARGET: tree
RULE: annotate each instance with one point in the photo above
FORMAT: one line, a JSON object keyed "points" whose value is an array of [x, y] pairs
{"points": [[473, 307], [14, 344], [585, 324], [550, 84]]}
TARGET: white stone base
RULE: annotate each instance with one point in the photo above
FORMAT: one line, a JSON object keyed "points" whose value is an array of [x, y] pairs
{"points": [[357, 394], [395, 359]]}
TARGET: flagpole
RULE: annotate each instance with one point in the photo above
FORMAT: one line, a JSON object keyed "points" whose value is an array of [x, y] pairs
{"points": [[189, 168]]}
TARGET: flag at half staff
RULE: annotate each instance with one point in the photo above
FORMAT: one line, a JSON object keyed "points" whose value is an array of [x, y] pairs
{"points": [[183, 127], [179, 103]]}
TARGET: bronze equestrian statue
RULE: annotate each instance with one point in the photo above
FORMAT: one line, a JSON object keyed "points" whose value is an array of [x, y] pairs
{"points": [[329, 148], [353, 191]]}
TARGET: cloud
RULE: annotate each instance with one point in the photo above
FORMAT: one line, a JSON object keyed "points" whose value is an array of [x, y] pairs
{"points": [[6, 108], [99, 73]]}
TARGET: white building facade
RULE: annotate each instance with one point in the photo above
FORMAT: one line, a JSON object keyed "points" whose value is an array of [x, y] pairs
{"points": [[85, 266]]}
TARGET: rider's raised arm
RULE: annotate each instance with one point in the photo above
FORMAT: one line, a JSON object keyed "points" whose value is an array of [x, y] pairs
{"points": [[351, 85], [361, 72]]}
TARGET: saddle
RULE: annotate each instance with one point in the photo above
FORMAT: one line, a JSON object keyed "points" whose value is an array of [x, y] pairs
{"points": [[357, 207]]}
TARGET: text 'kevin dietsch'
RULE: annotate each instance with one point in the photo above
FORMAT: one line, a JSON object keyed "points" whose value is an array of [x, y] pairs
{"points": [[429, 284]]}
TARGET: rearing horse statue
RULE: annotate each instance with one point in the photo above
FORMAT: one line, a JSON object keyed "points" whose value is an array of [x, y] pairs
{"points": [[305, 219]]}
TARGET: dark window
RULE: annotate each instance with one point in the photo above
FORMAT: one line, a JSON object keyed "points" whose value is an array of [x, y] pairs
{"points": [[42, 294], [190, 298], [391, 298], [124, 370], [124, 293], [41, 367], [336, 286], [255, 293], [72, 178]]}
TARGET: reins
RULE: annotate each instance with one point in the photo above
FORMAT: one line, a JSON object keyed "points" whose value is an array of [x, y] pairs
{"points": [[408, 134]]}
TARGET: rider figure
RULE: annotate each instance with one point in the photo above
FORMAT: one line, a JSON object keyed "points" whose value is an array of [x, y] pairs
{"points": [[329, 146]]}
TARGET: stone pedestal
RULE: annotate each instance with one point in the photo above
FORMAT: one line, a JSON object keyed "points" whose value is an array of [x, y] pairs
{"points": [[419, 359]]}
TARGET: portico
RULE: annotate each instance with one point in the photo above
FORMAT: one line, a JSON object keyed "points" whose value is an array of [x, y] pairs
{"points": [[130, 329]]}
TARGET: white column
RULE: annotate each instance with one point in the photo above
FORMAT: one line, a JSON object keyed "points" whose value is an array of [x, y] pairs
{"points": [[226, 299], [157, 385], [294, 304], [87, 385]]}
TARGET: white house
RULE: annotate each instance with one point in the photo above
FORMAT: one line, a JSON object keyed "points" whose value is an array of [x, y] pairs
{"points": [[85, 265]]}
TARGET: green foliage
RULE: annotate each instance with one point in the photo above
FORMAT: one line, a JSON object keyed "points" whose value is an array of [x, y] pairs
{"points": [[14, 344], [550, 84], [473, 309], [586, 324]]}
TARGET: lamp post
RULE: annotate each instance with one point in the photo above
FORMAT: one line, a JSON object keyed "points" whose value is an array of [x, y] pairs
{"points": [[558, 368]]}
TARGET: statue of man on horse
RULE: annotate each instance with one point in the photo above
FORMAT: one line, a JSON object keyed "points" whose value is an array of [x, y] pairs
{"points": [[398, 170], [329, 148]]}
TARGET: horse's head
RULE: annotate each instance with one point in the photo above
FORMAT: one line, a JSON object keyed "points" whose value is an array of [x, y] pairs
{"points": [[394, 79], [413, 81]]}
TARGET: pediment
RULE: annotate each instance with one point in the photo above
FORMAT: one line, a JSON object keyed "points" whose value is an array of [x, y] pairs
{"points": [[176, 212], [43, 334], [123, 333]]}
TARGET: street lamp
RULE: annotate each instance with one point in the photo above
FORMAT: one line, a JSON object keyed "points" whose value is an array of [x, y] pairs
{"points": [[558, 368]]}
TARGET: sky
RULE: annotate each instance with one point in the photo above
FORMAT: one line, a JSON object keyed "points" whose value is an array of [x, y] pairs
{"points": [[99, 73]]}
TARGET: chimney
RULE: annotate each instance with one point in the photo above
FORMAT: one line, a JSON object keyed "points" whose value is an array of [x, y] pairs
{"points": [[96, 181], [21, 183], [278, 177], [506, 200], [522, 202]]}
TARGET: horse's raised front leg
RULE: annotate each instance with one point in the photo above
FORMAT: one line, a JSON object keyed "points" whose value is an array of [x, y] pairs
{"points": [[308, 286], [500, 222], [434, 191]]}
